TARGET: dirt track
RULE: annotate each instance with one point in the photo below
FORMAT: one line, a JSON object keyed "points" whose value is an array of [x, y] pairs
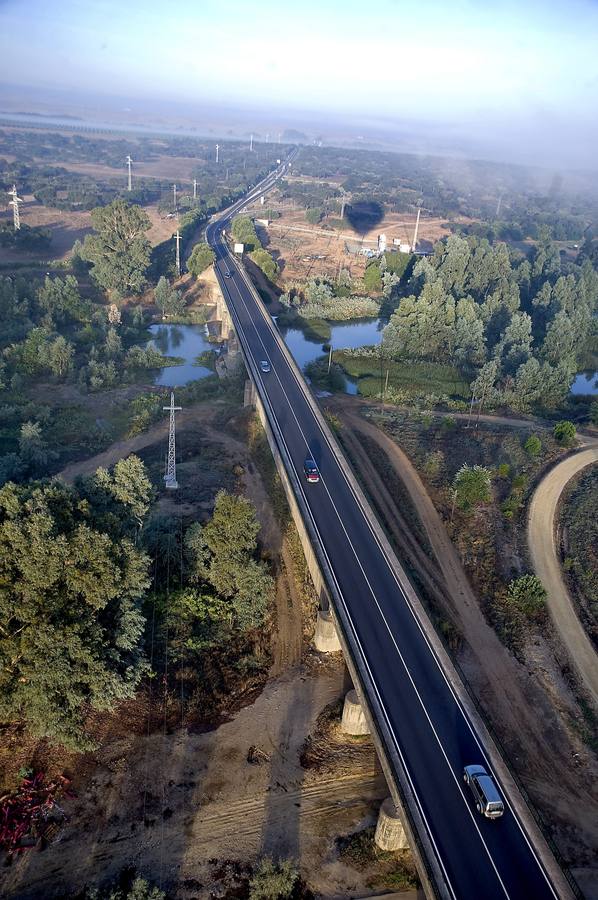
{"points": [[547, 566]]}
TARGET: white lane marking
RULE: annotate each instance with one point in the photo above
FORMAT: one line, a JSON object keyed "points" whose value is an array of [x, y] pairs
{"points": [[457, 780], [424, 635]]}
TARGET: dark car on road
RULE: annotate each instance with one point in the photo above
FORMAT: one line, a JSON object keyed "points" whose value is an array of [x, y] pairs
{"points": [[312, 473]]}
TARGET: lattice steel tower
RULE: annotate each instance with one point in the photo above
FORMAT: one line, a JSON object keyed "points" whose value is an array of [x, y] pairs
{"points": [[15, 207], [129, 161], [170, 476]]}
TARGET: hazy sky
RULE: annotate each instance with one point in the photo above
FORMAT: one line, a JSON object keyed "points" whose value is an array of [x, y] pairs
{"points": [[435, 60]]}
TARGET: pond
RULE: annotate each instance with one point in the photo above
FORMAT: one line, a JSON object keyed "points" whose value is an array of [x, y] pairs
{"points": [[585, 383], [185, 341], [306, 344]]}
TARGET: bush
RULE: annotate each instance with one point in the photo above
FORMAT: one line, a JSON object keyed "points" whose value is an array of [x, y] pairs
{"points": [[264, 261], [273, 881], [564, 433], [528, 595], [472, 486], [533, 446]]}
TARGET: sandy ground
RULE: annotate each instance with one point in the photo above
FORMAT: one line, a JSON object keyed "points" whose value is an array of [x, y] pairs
{"points": [[177, 168], [529, 706], [303, 250], [547, 565], [68, 227]]}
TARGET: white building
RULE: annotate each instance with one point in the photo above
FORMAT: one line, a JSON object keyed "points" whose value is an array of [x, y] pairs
{"points": [[381, 243]]}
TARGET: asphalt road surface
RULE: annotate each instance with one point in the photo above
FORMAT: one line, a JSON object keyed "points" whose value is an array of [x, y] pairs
{"points": [[481, 859]]}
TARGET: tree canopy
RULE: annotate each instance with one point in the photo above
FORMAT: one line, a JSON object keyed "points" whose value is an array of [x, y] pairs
{"points": [[118, 251], [71, 584], [202, 256]]}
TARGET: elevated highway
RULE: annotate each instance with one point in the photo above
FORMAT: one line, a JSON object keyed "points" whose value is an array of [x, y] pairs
{"points": [[425, 725]]}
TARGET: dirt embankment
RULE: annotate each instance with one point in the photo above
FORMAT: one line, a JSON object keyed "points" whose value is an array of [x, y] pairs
{"points": [[528, 706]]}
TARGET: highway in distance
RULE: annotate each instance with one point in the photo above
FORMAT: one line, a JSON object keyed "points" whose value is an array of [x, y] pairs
{"points": [[430, 731]]}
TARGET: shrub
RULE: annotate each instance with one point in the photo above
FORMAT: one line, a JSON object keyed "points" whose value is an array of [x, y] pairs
{"points": [[533, 446], [273, 881], [528, 594], [564, 433], [472, 486]]}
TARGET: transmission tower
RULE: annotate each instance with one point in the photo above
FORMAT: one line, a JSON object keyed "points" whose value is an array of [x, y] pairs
{"points": [[15, 207], [217, 149], [177, 238], [195, 188], [414, 247], [129, 161], [170, 477]]}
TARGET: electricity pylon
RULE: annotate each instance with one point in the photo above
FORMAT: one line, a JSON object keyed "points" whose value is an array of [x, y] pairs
{"points": [[15, 207], [170, 481], [217, 149], [129, 161], [177, 238]]}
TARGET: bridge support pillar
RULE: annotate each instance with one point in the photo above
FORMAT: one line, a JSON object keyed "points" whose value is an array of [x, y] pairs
{"points": [[249, 394], [354, 720], [390, 834], [326, 639]]}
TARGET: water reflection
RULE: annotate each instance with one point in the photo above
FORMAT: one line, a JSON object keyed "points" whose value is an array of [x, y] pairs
{"points": [[186, 341], [585, 383]]}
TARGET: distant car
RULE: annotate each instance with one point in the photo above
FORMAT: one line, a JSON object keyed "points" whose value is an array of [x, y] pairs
{"points": [[488, 801], [264, 365], [227, 274], [312, 473]]}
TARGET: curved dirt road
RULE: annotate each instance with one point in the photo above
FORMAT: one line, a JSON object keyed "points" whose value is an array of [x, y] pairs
{"points": [[541, 540]]}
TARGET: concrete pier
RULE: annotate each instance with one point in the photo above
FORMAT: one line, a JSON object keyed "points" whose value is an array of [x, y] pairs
{"points": [[390, 834], [354, 720], [326, 639], [249, 394]]}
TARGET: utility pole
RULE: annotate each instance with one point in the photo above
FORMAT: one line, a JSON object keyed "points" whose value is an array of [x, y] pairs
{"points": [[217, 149], [129, 161], [329, 357], [385, 387], [15, 207], [414, 248], [174, 195], [170, 481], [195, 188], [177, 238]]}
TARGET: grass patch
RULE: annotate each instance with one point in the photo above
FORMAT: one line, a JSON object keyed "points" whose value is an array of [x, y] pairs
{"points": [[409, 378]]}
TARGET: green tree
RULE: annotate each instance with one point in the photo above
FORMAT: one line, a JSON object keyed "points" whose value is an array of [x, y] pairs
{"points": [[273, 881], [533, 446], [32, 446], [528, 595], [60, 357], [314, 215], [472, 486], [244, 232], [201, 257], [118, 251], [70, 612], [168, 299], [221, 554], [128, 888], [265, 262], [564, 433]]}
